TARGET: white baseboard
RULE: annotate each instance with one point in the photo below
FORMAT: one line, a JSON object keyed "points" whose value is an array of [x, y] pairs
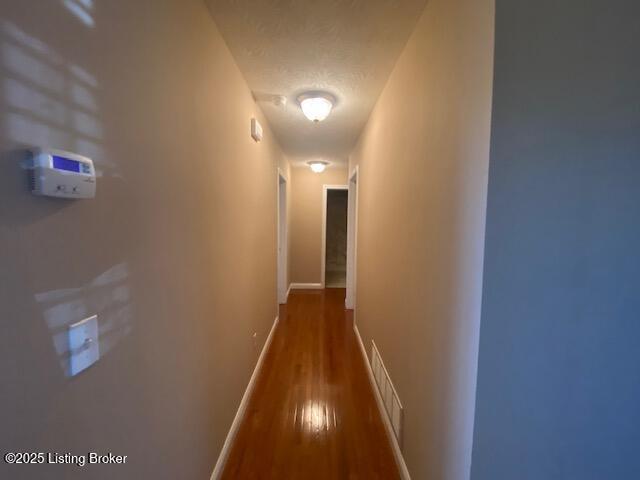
{"points": [[305, 286], [397, 453], [289, 291], [244, 403]]}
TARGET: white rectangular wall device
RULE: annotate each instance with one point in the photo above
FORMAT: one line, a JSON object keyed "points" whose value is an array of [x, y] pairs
{"points": [[84, 349], [256, 130], [55, 173]]}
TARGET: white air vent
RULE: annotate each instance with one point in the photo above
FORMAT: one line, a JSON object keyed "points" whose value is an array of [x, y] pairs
{"points": [[387, 392]]}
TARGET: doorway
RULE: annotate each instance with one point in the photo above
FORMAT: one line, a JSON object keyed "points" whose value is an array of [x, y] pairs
{"points": [[282, 238], [334, 251]]}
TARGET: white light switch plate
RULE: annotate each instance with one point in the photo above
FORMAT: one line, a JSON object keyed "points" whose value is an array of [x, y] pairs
{"points": [[84, 349]]}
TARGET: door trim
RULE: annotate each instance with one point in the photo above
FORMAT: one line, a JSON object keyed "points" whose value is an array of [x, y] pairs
{"points": [[282, 241], [352, 241]]}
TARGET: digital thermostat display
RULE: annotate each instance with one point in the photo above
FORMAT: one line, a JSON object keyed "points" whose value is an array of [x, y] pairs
{"points": [[62, 163], [55, 173]]}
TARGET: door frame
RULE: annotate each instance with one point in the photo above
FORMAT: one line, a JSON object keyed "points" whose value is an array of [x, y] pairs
{"points": [[282, 242], [323, 260], [352, 241]]}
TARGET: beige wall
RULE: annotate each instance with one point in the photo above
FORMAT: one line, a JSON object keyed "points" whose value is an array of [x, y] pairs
{"points": [[423, 161], [306, 220], [176, 254]]}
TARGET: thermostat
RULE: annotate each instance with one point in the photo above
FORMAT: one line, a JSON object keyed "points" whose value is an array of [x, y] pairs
{"points": [[55, 173]]}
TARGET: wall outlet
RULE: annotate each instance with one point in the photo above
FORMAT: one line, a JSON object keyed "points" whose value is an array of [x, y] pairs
{"points": [[84, 349]]}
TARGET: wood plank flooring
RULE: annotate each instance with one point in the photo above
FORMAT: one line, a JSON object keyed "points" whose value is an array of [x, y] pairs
{"points": [[312, 414]]}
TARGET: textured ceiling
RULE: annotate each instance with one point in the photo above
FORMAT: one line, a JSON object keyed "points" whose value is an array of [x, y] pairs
{"points": [[345, 47]]}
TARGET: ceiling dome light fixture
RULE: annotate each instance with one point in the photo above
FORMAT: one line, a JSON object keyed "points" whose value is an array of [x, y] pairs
{"points": [[316, 106], [318, 166]]}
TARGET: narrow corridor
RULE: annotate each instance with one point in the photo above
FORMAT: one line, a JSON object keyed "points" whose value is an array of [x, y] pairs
{"points": [[312, 414], [192, 191]]}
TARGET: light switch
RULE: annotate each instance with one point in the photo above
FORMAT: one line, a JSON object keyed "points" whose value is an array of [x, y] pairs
{"points": [[84, 349]]}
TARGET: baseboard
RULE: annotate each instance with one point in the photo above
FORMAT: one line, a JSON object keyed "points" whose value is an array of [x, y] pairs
{"points": [[224, 453], [397, 453], [289, 291], [305, 286]]}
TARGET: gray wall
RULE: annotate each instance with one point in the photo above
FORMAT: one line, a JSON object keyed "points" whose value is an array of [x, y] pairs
{"points": [[176, 254], [559, 367]]}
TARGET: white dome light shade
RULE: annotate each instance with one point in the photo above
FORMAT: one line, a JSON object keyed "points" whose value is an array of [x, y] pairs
{"points": [[316, 106], [318, 166]]}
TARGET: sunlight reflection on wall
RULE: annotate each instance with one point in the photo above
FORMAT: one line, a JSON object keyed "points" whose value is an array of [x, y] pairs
{"points": [[81, 9], [107, 295], [50, 102]]}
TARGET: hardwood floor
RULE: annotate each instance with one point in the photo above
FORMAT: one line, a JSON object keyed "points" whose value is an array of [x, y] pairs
{"points": [[312, 414]]}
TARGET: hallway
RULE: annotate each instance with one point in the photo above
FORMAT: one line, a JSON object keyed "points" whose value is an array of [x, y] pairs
{"points": [[192, 191], [312, 414]]}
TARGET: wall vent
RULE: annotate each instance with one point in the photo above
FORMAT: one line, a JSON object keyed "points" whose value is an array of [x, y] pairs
{"points": [[387, 392]]}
